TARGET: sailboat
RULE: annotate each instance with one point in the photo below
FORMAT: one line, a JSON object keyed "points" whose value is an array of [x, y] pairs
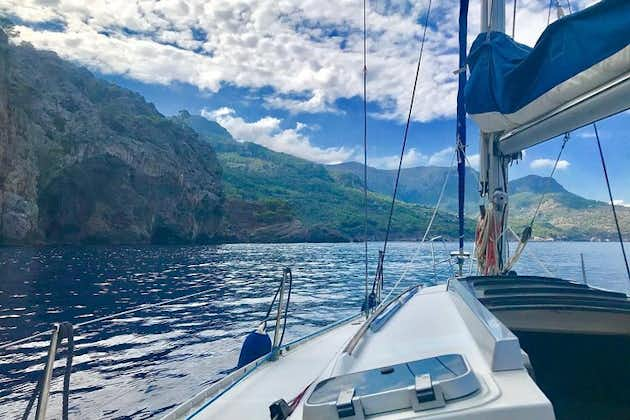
{"points": [[577, 337], [493, 346]]}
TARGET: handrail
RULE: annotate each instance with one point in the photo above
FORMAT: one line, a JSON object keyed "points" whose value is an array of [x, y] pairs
{"points": [[42, 403], [66, 329], [42, 388], [277, 338], [357, 337]]}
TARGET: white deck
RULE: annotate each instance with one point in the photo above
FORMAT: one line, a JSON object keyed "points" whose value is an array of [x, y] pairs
{"points": [[433, 322], [285, 378]]}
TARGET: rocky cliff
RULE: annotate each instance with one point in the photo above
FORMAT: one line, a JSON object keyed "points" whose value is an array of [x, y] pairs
{"points": [[85, 161]]}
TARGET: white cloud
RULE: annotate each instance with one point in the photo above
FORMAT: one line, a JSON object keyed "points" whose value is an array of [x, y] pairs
{"points": [[442, 158], [413, 157], [545, 163], [473, 160], [268, 132], [586, 133], [621, 203], [309, 52]]}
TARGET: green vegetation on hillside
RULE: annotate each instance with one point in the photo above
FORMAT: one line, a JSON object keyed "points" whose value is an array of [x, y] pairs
{"points": [[420, 185], [319, 202], [563, 215]]}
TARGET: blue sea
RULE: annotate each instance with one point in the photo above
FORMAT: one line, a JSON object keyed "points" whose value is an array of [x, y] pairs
{"points": [[142, 364]]}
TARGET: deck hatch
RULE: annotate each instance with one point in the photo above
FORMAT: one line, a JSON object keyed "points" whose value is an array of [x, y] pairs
{"points": [[395, 387]]}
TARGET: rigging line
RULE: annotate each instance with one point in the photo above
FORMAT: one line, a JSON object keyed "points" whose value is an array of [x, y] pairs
{"points": [[527, 231], [365, 187], [25, 339], [549, 12], [553, 171], [406, 133], [533, 254], [514, 19], [612, 202], [427, 230], [112, 316], [474, 172], [490, 15]]}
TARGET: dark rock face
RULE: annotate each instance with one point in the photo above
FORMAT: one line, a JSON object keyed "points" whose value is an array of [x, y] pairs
{"points": [[85, 161]]}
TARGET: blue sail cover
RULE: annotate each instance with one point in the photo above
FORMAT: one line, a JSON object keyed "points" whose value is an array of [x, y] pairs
{"points": [[511, 84]]}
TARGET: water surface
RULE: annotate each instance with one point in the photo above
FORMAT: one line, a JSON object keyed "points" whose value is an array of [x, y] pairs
{"points": [[140, 365]]}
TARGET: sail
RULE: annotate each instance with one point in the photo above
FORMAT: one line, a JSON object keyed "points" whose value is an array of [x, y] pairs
{"points": [[512, 86]]}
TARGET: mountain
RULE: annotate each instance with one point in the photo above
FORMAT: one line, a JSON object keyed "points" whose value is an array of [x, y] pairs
{"points": [[563, 214], [274, 196], [421, 185], [85, 161], [525, 192]]}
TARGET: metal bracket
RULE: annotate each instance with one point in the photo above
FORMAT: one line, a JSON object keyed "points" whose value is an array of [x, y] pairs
{"points": [[426, 395], [345, 408]]}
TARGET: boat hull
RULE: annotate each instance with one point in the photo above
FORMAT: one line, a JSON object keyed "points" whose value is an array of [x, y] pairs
{"points": [[577, 339], [585, 376]]}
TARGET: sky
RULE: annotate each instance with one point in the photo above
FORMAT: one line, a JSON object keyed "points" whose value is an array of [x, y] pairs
{"points": [[287, 74]]}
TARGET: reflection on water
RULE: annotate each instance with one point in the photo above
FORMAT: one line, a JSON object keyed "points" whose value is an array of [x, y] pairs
{"points": [[141, 365]]}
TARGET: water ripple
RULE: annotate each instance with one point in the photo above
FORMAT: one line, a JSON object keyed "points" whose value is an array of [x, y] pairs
{"points": [[143, 364]]}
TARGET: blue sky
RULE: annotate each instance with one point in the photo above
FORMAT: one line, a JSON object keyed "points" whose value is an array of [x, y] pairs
{"points": [[287, 75]]}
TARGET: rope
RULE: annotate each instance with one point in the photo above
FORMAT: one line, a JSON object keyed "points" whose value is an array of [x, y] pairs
{"points": [[365, 186], [490, 17], [612, 202], [514, 19], [533, 255], [24, 340], [108, 317], [426, 232], [553, 171], [406, 133], [142, 307]]}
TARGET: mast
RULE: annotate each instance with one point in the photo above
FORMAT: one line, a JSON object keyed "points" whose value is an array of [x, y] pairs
{"points": [[492, 19], [493, 170], [461, 128]]}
